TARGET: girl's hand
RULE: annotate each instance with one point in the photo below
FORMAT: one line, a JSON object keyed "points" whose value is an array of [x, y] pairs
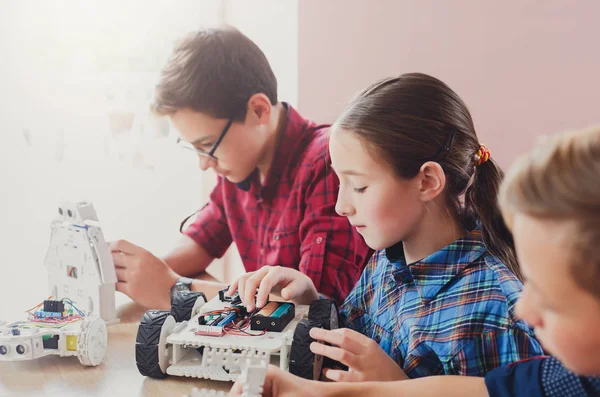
{"points": [[366, 361], [292, 284]]}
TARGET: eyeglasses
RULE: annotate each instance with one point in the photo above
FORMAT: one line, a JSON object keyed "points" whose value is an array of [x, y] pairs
{"points": [[211, 152]]}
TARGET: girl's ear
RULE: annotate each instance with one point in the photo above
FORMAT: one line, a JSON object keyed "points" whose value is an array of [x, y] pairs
{"points": [[432, 181]]}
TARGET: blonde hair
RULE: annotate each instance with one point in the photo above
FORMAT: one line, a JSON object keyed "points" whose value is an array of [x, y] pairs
{"points": [[560, 179]]}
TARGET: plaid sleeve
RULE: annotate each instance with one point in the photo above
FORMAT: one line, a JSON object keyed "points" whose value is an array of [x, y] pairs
{"points": [[490, 350], [210, 229], [332, 253]]}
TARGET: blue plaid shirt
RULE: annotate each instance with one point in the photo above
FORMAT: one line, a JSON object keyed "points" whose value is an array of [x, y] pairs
{"points": [[449, 313]]}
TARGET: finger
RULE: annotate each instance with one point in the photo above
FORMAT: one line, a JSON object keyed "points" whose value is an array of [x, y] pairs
{"points": [[279, 382], [345, 338], [335, 353], [252, 284], [119, 259], [266, 286], [232, 288], [337, 375], [242, 287], [237, 388], [121, 274], [125, 246], [293, 290]]}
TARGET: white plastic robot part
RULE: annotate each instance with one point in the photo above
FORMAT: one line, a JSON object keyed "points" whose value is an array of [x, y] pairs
{"points": [[253, 379], [90, 349], [254, 371], [92, 341], [79, 261]]}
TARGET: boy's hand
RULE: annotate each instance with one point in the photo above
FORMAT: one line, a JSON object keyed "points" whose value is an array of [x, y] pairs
{"points": [[293, 285], [142, 276], [359, 353], [279, 383]]}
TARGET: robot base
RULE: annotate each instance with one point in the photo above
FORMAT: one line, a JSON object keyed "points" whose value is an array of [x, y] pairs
{"points": [[85, 338], [167, 347]]}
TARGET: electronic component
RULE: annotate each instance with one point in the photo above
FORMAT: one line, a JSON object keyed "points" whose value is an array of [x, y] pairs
{"points": [[41, 314], [281, 310], [273, 317], [234, 300], [50, 341], [223, 297], [228, 318], [54, 306], [215, 324], [267, 309]]}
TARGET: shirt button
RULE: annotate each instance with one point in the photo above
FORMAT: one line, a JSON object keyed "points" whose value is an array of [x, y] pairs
{"points": [[319, 240], [262, 251], [276, 237]]}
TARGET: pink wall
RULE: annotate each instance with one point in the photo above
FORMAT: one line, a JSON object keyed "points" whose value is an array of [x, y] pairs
{"points": [[524, 67]]}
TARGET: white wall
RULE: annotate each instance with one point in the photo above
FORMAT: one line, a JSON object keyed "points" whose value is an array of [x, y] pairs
{"points": [[524, 67], [273, 26], [53, 83]]}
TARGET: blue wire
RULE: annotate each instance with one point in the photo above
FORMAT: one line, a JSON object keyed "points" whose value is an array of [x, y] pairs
{"points": [[70, 302]]}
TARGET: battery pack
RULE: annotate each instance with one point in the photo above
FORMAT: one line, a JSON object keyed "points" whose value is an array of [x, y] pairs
{"points": [[274, 317]]}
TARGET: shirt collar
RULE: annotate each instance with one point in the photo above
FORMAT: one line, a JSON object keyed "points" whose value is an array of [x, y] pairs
{"points": [[291, 134], [433, 272]]}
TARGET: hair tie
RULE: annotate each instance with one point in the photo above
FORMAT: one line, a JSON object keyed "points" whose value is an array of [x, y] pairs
{"points": [[482, 155]]}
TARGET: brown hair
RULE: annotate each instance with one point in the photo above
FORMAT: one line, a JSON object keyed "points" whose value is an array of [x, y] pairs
{"points": [[214, 71], [415, 118], [559, 179]]}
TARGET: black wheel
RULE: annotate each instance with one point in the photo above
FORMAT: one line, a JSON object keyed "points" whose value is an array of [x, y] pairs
{"points": [[303, 362], [323, 313], [183, 303], [148, 341]]}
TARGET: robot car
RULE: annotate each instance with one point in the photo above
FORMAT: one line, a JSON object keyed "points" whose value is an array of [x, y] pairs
{"points": [[213, 339]]}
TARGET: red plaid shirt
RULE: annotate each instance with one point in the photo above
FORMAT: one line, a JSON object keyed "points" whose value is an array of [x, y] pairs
{"points": [[290, 219]]}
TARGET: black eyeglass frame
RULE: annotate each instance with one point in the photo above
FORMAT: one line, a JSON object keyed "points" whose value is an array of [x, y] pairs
{"points": [[211, 153]]}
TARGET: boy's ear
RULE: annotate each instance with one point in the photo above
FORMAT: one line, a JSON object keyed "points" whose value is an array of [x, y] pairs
{"points": [[432, 180], [259, 109]]}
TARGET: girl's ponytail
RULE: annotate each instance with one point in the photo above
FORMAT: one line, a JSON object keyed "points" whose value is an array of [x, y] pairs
{"points": [[481, 200]]}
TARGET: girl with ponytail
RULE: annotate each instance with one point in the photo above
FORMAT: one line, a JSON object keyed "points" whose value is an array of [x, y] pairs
{"points": [[438, 295]]}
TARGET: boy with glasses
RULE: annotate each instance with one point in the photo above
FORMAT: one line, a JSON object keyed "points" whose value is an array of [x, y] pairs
{"points": [[275, 195]]}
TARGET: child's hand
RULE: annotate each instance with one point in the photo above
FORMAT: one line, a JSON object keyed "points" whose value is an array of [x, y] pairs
{"points": [[366, 361], [142, 276], [293, 284], [279, 383]]}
